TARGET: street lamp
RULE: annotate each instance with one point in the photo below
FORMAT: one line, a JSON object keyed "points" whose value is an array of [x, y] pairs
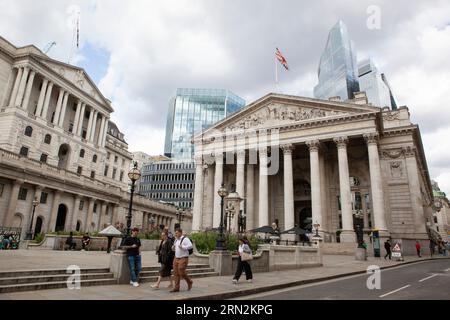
{"points": [[134, 176], [316, 226], [220, 243], [29, 235]]}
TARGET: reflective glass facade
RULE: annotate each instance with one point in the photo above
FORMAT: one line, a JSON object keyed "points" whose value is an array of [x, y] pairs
{"points": [[194, 110], [337, 68], [371, 81]]}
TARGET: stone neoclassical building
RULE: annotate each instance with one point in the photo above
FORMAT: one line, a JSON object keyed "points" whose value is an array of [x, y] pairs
{"points": [[305, 161], [58, 145]]}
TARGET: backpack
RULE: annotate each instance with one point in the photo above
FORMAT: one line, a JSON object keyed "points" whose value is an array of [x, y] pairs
{"points": [[191, 251]]}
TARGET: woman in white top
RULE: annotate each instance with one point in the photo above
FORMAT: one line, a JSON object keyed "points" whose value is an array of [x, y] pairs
{"points": [[243, 265]]}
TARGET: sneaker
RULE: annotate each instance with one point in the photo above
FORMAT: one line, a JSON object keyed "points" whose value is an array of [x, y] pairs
{"points": [[235, 281], [135, 284], [131, 282], [249, 280]]}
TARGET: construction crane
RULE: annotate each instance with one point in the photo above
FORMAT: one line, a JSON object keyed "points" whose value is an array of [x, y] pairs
{"points": [[49, 46]]}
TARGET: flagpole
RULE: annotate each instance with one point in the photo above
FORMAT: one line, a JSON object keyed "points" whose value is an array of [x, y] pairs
{"points": [[276, 75]]}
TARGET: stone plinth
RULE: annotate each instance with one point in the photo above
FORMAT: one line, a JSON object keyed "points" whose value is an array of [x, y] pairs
{"points": [[361, 254], [221, 262], [118, 265]]}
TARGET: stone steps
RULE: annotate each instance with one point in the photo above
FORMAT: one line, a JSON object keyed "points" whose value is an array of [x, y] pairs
{"points": [[25, 273], [52, 278]]}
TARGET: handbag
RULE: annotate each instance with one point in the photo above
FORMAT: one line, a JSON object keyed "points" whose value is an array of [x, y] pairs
{"points": [[246, 256]]}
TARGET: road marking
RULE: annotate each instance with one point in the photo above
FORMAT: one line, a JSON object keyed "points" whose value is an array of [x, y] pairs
{"points": [[447, 269], [386, 294], [434, 275]]}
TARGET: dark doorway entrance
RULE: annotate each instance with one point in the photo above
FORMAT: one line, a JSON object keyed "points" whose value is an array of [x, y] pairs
{"points": [[38, 226], [78, 226], [61, 218], [305, 219]]}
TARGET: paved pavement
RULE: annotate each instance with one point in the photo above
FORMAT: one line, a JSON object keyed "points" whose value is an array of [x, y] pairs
{"points": [[204, 288], [424, 280]]}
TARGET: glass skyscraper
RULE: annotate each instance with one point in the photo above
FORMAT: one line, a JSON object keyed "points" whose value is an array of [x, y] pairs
{"points": [[337, 68], [375, 85], [194, 110]]}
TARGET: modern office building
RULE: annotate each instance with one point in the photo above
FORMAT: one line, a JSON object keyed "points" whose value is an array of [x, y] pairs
{"points": [[194, 110], [338, 74], [167, 180], [375, 85]]}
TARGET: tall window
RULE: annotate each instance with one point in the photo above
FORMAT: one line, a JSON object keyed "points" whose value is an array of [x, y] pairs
{"points": [[43, 158], [24, 151], [79, 170], [92, 174], [121, 176], [82, 153], [28, 131], [106, 171], [94, 158], [47, 139], [114, 173], [44, 196], [22, 194], [81, 206]]}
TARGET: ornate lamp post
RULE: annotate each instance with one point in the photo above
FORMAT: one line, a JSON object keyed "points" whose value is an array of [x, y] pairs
{"points": [[134, 175], [220, 243], [316, 226], [29, 235]]}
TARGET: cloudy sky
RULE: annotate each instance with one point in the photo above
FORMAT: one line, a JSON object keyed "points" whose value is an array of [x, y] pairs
{"points": [[139, 52]]}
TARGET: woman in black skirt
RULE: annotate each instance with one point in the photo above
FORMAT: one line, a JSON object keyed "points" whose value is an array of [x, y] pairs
{"points": [[165, 257]]}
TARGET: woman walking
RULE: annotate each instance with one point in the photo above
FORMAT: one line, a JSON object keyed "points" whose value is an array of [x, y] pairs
{"points": [[165, 257], [244, 251]]}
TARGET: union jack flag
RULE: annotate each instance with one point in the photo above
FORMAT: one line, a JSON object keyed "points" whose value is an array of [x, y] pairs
{"points": [[281, 59]]}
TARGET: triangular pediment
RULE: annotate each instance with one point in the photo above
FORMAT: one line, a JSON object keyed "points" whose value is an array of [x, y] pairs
{"points": [[78, 77], [280, 110]]}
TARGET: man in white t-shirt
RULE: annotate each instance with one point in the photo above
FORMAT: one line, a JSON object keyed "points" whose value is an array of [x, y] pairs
{"points": [[181, 246]]}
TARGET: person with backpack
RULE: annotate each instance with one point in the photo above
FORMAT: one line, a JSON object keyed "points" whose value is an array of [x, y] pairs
{"points": [[183, 248]]}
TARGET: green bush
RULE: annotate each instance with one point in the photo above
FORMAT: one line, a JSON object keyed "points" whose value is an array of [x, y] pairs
{"points": [[38, 237], [206, 241]]}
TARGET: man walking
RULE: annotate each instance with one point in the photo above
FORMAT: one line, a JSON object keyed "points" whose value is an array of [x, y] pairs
{"points": [[387, 246], [181, 247], [418, 248], [133, 246]]}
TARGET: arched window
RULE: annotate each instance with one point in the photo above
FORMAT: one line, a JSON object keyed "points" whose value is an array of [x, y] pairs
{"points": [[94, 158], [82, 153], [47, 139], [28, 131]]}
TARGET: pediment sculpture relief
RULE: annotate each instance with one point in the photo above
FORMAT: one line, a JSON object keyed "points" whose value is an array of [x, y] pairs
{"points": [[281, 113]]}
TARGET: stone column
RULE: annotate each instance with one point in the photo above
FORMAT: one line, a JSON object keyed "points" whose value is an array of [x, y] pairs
{"points": [[12, 99], [240, 184], [41, 98], [102, 215], [376, 183], [21, 91], [419, 216], [289, 216], [105, 132], [89, 215], [198, 194], [77, 118], [9, 216], [47, 101], [347, 234], [26, 99], [218, 180], [89, 128], [94, 124], [102, 129], [72, 217], [81, 119], [58, 107], [54, 211], [316, 198], [263, 189], [250, 205], [63, 110]]}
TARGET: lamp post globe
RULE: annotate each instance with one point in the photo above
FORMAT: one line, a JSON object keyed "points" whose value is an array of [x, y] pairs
{"points": [[29, 235], [220, 243]]}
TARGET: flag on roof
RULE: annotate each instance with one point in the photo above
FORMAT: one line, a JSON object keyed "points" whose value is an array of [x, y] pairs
{"points": [[281, 58]]}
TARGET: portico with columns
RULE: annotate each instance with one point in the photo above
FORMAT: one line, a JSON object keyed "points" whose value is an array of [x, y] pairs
{"points": [[303, 162]]}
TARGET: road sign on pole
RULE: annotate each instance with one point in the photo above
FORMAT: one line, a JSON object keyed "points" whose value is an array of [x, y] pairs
{"points": [[397, 251]]}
